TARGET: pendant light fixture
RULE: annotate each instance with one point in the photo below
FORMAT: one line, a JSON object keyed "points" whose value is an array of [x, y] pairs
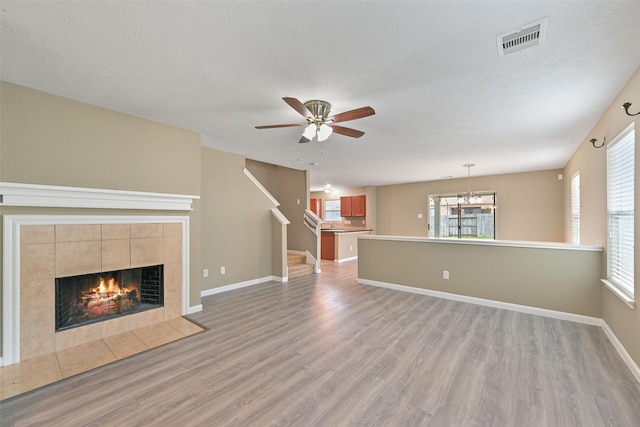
{"points": [[469, 197]]}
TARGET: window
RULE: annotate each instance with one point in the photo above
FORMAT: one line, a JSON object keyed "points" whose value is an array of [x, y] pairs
{"points": [[575, 209], [620, 211], [449, 217], [332, 210]]}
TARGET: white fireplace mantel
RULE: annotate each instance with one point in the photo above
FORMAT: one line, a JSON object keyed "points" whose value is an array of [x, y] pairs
{"points": [[18, 194]]}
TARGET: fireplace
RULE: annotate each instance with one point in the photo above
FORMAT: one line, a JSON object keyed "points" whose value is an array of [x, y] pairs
{"points": [[90, 298]]}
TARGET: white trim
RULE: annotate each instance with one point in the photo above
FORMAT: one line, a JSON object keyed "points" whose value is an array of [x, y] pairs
{"points": [[11, 265], [280, 216], [621, 350], [16, 194], [234, 286], [260, 186], [509, 243], [346, 259], [194, 309], [627, 299], [561, 315]]}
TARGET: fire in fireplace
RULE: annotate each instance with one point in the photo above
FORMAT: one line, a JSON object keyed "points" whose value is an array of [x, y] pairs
{"points": [[90, 298]]}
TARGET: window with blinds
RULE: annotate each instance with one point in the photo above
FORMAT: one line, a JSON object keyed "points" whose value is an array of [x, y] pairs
{"points": [[620, 210], [575, 209]]}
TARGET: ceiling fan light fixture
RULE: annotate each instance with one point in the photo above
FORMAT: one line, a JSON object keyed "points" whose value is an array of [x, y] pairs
{"points": [[324, 131], [310, 131]]}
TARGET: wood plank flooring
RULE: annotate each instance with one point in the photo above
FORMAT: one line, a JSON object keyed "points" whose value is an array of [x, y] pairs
{"points": [[322, 350]]}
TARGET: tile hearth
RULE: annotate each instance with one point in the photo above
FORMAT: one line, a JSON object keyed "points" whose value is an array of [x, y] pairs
{"points": [[49, 368]]}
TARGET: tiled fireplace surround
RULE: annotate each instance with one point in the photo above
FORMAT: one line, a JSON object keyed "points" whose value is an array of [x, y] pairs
{"points": [[47, 251]]}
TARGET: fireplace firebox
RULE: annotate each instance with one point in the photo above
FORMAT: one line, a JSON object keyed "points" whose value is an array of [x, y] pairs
{"points": [[91, 298]]}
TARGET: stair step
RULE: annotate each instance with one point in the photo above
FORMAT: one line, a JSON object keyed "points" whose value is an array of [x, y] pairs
{"points": [[297, 266]]}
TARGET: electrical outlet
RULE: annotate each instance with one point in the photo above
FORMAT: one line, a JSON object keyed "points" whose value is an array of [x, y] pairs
{"points": [[222, 270], [445, 274], [350, 248], [205, 273]]}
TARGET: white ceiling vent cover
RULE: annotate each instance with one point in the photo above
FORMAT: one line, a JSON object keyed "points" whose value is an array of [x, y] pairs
{"points": [[521, 38]]}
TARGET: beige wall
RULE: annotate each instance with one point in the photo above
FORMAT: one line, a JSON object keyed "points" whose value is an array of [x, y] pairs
{"points": [[591, 162], [236, 225], [534, 277], [529, 205], [290, 187], [47, 139]]}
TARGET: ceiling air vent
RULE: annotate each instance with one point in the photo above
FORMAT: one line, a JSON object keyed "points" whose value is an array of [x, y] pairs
{"points": [[521, 38]]}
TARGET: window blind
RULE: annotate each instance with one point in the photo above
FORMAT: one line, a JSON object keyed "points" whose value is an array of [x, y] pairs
{"points": [[620, 210], [575, 209]]}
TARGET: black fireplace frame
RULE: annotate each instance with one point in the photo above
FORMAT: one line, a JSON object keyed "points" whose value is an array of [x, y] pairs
{"points": [[68, 310]]}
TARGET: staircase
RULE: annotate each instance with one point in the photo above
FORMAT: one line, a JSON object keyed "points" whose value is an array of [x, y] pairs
{"points": [[297, 265]]}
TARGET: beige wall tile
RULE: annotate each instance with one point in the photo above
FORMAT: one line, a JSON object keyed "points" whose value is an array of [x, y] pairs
{"points": [[76, 336], [172, 250], [78, 232], [116, 254], [173, 230], [139, 231], [115, 231], [38, 294], [145, 318], [37, 262], [73, 258], [117, 325], [36, 234], [36, 332], [146, 252]]}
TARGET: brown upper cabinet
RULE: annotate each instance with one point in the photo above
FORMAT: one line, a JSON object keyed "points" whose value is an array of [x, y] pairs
{"points": [[315, 205], [351, 206]]}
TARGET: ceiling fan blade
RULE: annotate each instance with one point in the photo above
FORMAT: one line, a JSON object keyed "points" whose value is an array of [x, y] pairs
{"points": [[303, 140], [358, 113], [298, 106], [279, 126], [347, 131]]}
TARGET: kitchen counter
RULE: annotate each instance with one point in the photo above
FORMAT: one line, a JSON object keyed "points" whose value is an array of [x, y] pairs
{"points": [[345, 230], [341, 244]]}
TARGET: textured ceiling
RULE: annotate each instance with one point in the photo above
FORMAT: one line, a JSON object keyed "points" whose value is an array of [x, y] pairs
{"points": [[431, 71]]}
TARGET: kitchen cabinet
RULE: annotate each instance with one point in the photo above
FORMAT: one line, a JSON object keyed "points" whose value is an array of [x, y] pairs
{"points": [[327, 245], [353, 206], [315, 205]]}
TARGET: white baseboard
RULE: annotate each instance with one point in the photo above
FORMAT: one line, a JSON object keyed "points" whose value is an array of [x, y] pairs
{"points": [[347, 259], [234, 286], [578, 318], [621, 350], [194, 309]]}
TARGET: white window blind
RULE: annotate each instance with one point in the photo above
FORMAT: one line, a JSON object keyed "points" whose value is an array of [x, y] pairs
{"points": [[575, 209], [332, 210], [620, 210]]}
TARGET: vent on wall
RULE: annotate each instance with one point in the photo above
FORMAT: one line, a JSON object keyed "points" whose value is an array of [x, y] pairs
{"points": [[521, 38]]}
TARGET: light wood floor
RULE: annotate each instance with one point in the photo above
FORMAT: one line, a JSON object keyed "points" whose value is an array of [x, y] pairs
{"points": [[325, 351]]}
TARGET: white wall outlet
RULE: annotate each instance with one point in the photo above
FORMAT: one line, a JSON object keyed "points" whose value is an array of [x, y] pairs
{"points": [[445, 274], [222, 270], [297, 201], [419, 216], [205, 273], [350, 248]]}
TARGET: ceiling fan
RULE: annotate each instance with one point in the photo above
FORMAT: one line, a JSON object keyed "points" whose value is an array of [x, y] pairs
{"points": [[319, 123]]}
